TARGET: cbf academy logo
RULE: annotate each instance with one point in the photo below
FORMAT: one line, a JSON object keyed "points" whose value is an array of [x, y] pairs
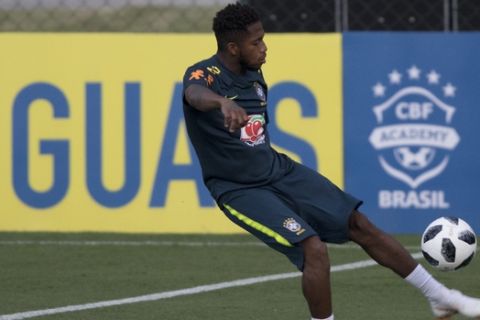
{"points": [[414, 137]]}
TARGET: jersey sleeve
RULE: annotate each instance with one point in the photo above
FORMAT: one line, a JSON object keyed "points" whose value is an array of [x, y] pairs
{"points": [[198, 75]]}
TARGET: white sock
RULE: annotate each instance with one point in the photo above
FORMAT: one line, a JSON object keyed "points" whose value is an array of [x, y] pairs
{"points": [[329, 318], [428, 285]]}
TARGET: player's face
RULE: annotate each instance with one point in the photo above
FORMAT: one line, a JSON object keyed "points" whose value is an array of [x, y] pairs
{"points": [[253, 50]]}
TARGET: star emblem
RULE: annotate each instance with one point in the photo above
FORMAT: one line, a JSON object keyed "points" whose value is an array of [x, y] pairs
{"points": [[395, 77], [378, 90], [433, 77], [414, 73], [449, 90]]}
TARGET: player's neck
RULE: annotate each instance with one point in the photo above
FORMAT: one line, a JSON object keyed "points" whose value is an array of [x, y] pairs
{"points": [[231, 63]]}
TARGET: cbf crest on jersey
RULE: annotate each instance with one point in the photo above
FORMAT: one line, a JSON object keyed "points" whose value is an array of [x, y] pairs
{"points": [[414, 137], [259, 91]]}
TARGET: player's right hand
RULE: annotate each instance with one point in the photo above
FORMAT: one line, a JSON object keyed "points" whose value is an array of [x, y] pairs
{"points": [[235, 116]]}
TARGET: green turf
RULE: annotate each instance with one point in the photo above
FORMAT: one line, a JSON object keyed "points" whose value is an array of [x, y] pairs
{"points": [[47, 275]]}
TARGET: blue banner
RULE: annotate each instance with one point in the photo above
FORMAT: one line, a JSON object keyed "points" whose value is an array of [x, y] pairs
{"points": [[412, 126]]}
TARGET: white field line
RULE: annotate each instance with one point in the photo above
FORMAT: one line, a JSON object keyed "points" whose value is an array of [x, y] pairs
{"points": [[181, 292], [165, 243]]}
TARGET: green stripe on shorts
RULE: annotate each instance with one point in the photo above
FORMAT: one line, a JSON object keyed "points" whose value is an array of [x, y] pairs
{"points": [[258, 226]]}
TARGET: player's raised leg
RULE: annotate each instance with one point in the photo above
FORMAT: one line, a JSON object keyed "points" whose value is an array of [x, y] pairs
{"points": [[388, 252], [383, 248]]}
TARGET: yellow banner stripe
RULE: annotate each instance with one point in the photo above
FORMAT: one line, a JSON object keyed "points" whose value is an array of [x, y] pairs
{"points": [[120, 75], [258, 226]]}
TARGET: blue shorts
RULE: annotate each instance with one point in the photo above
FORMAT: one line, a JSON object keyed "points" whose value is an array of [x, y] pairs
{"points": [[300, 205]]}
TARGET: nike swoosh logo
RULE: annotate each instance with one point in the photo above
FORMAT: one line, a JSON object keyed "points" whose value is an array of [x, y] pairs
{"points": [[232, 98]]}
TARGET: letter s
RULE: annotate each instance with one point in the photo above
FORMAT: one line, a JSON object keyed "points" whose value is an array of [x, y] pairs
{"points": [[309, 108]]}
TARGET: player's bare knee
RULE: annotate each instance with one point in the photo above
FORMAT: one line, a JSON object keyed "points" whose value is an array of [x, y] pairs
{"points": [[316, 253], [361, 229]]}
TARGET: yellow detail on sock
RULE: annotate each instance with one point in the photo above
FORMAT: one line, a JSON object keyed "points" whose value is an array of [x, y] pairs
{"points": [[258, 226]]}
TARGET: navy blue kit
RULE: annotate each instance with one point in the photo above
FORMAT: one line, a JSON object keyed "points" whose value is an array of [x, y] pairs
{"points": [[278, 200]]}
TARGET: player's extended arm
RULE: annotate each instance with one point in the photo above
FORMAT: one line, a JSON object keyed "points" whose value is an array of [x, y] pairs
{"points": [[204, 99]]}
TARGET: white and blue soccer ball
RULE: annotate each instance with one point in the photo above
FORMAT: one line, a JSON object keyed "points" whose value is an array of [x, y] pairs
{"points": [[449, 243]]}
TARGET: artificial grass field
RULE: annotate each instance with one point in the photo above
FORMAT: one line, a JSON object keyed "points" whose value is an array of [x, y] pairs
{"points": [[51, 270]]}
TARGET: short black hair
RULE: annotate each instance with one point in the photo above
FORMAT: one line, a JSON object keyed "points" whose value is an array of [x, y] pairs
{"points": [[231, 22]]}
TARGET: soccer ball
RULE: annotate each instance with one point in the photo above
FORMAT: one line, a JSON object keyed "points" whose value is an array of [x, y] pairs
{"points": [[449, 243]]}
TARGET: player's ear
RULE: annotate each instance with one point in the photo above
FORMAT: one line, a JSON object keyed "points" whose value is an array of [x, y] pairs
{"points": [[233, 48]]}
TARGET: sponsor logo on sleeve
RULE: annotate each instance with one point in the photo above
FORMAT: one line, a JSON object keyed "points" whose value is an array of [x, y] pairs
{"points": [[197, 75]]}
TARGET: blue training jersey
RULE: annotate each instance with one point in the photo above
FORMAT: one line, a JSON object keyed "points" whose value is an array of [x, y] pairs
{"points": [[232, 160]]}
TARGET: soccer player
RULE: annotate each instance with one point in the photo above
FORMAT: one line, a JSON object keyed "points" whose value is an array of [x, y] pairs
{"points": [[293, 209]]}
